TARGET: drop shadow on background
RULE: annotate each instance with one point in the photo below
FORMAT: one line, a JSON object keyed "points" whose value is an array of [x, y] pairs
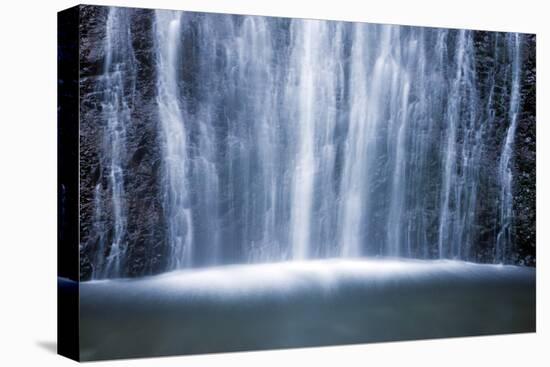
{"points": [[48, 345]]}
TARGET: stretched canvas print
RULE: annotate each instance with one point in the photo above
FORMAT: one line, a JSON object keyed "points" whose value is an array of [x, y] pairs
{"points": [[233, 182]]}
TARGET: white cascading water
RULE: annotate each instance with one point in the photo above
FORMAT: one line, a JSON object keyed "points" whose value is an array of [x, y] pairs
{"points": [[99, 226], [505, 169], [287, 139], [355, 198], [174, 141], [115, 84], [311, 97], [309, 35], [448, 217]]}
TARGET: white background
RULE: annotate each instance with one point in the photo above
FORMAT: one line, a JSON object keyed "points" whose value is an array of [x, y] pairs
{"points": [[28, 183]]}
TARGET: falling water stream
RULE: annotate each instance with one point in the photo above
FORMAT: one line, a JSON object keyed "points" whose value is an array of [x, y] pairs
{"points": [[301, 139], [505, 170], [115, 84], [173, 141]]}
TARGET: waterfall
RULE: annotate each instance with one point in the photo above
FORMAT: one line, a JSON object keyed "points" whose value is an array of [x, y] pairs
{"points": [[290, 139], [397, 130], [458, 115], [255, 49], [116, 85], [99, 224], [311, 90], [173, 141], [354, 198], [309, 33], [505, 165]]}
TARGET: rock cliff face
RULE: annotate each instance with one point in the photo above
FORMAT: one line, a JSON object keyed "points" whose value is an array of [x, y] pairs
{"points": [[524, 165], [144, 229], [243, 90]]}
